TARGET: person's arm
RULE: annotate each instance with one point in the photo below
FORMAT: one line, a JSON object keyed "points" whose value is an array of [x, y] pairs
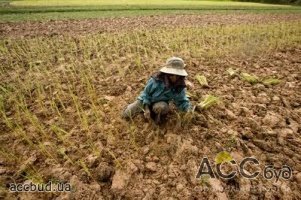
{"points": [[182, 102], [145, 95]]}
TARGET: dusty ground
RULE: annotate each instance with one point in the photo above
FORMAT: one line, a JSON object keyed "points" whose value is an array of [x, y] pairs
{"points": [[71, 27], [161, 163]]}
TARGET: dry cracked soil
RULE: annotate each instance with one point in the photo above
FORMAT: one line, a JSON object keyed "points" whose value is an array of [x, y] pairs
{"points": [[251, 121]]}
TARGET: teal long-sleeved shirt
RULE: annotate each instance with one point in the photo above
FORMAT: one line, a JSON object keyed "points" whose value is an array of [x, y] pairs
{"points": [[156, 91]]}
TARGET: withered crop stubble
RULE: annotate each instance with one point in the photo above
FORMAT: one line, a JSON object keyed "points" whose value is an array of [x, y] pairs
{"points": [[61, 96]]}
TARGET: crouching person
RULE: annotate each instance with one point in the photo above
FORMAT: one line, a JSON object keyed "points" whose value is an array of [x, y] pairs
{"points": [[164, 86]]}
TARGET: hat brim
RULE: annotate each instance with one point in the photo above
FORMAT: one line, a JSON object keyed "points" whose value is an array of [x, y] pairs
{"points": [[169, 70]]}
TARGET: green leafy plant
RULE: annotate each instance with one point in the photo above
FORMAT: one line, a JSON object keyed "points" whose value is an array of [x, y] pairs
{"points": [[202, 80], [209, 101], [232, 72], [204, 181], [223, 157], [271, 81], [249, 78]]}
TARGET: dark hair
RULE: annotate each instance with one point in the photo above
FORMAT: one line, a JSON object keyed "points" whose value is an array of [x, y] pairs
{"points": [[179, 85]]}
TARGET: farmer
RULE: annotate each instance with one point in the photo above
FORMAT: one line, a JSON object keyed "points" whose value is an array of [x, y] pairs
{"points": [[163, 87]]}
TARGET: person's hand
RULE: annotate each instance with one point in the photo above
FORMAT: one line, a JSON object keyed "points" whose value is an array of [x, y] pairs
{"points": [[192, 109], [147, 115], [189, 84]]}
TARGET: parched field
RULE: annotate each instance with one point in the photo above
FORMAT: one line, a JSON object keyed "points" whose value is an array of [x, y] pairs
{"points": [[110, 25], [41, 10], [65, 83]]}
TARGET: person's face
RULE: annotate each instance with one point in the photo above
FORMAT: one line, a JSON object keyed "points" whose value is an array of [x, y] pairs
{"points": [[173, 78]]}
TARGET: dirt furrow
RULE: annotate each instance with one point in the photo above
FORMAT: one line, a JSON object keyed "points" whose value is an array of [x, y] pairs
{"points": [[87, 26]]}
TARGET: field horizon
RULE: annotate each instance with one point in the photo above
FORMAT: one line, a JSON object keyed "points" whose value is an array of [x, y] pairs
{"points": [[14, 11]]}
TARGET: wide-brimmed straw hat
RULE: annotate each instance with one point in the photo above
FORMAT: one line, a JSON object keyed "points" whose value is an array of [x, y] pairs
{"points": [[174, 65]]}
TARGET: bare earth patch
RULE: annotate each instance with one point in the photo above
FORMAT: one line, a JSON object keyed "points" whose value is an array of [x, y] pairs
{"points": [[139, 160], [82, 27]]}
